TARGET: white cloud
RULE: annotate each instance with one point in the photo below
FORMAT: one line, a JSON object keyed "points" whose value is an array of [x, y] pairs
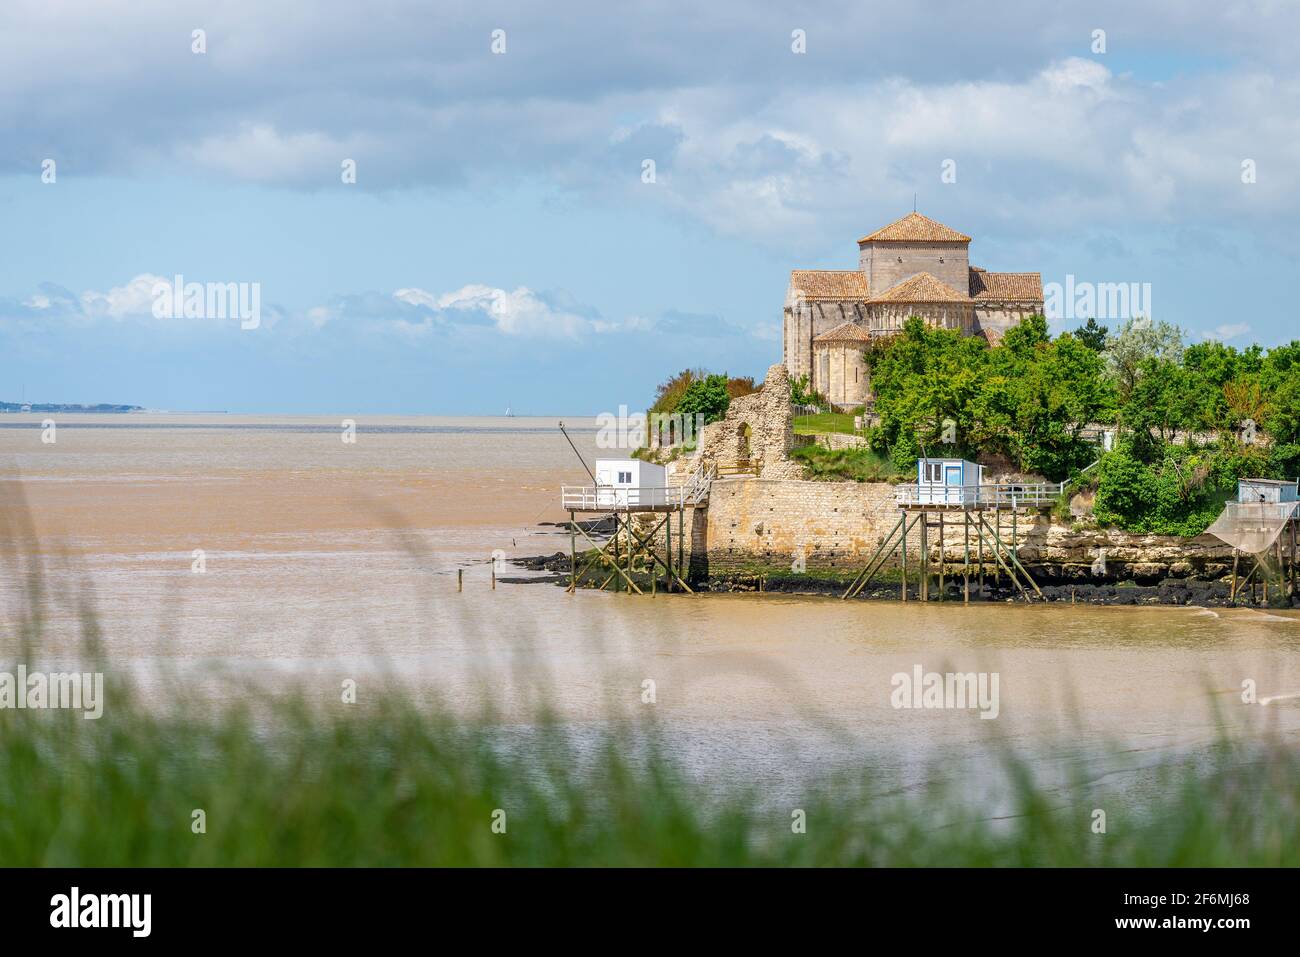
{"points": [[1225, 332], [135, 298], [258, 152], [517, 313]]}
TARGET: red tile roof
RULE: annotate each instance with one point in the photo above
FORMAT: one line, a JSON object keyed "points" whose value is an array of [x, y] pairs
{"points": [[915, 228], [1006, 286], [921, 288], [844, 332], [830, 284]]}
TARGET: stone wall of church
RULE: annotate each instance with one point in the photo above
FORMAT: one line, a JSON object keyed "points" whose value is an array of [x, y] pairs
{"points": [[840, 374], [804, 321], [888, 264], [956, 315], [993, 319]]}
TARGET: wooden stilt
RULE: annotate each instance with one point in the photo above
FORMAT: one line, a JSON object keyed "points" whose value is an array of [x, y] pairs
{"points": [[965, 564], [1232, 592], [878, 558], [648, 547], [668, 552], [573, 552], [1292, 523], [616, 528], [683, 572], [925, 558], [904, 562], [1015, 544], [941, 556], [1011, 563]]}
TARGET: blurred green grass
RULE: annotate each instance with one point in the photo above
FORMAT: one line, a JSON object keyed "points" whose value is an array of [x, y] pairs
{"points": [[287, 783]]}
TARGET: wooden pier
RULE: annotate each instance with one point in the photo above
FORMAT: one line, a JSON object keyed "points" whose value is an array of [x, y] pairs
{"points": [[629, 543], [926, 508]]}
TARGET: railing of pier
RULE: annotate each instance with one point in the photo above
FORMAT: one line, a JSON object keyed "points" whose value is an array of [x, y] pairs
{"points": [[587, 497], [1008, 495]]}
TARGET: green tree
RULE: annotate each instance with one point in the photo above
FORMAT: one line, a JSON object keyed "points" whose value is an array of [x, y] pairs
{"points": [[1092, 335], [1283, 417], [1137, 340], [707, 397], [1126, 488], [1164, 400]]}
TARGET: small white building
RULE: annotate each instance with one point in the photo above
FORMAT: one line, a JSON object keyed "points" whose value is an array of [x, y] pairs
{"points": [[1266, 491], [624, 482], [942, 481]]}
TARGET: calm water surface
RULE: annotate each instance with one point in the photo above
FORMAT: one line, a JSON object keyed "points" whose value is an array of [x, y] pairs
{"points": [[326, 560]]}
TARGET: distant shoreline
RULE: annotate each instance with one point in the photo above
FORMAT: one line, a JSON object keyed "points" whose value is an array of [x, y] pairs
{"points": [[102, 407]]}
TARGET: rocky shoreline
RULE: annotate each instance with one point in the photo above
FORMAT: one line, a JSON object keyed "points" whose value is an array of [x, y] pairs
{"points": [[1069, 585]]}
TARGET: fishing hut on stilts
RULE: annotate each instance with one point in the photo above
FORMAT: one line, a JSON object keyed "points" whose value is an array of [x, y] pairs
{"points": [[949, 492], [635, 497], [1261, 527]]}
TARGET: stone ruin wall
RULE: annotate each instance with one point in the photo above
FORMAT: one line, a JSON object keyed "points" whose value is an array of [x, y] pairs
{"points": [[755, 521], [758, 427]]}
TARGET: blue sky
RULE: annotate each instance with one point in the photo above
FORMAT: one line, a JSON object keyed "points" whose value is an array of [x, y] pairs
{"points": [[500, 245]]}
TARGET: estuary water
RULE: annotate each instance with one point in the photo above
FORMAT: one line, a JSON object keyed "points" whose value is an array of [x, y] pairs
{"points": [[271, 552]]}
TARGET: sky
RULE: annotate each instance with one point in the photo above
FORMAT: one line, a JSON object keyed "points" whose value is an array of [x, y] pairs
{"points": [[557, 206]]}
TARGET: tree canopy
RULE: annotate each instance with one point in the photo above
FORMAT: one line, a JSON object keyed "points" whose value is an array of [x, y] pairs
{"points": [[1190, 420]]}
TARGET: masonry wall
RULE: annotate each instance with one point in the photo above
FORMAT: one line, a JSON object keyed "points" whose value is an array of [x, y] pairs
{"points": [[993, 319], [771, 520], [768, 522], [804, 321], [842, 377], [880, 261]]}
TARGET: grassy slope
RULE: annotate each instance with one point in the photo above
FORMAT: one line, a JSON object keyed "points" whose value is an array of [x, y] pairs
{"points": [[823, 422], [843, 465]]}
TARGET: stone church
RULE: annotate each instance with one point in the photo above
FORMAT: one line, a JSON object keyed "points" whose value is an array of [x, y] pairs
{"points": [[913, 267]]}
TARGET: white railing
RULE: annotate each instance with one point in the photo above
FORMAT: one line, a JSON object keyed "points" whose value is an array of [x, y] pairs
{"points": [[588, 497], [1009, 495]]}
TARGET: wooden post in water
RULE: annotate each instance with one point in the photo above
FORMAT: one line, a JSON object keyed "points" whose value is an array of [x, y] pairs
{"points": [[460, 575], [1292, 523], [965, 562], [1015, 548], [1232, 592], [668, 538], [925, 558], [904, 564], [681, 542], [573, 553], [941, 556], [980, 543], [616, 527]]}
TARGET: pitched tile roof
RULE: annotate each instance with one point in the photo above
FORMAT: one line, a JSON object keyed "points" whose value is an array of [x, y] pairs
{"points": [[832, 284], [915, 228], [1006, 286], [844, 332], [921, 288]]}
